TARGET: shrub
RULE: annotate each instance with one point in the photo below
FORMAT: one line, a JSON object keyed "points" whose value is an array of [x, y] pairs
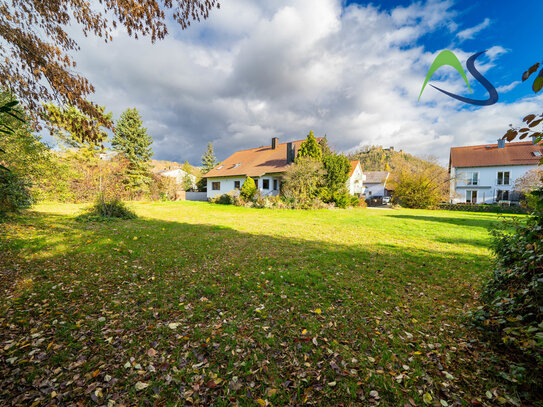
{"points": [[14, 192], [342, 199], [108, 209], [482, 208], [224, 199], [512, 299], [248, 189]]}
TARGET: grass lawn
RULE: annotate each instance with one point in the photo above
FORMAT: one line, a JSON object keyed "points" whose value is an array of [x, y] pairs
{"points": [[195, 303]]}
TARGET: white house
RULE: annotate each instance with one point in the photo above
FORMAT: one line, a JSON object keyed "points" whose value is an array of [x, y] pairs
{"points": [[376, 184], [355, 183], [179, 176], [266, 166], [487, 173]]}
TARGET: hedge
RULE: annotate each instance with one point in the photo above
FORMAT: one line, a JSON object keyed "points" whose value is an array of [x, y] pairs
{"points": [[516, 209]]}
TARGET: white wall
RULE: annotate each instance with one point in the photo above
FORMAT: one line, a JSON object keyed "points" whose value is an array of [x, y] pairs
{"points": [[227, 185], [355, 183], [487, 185], [374, 190], [179, 176]]}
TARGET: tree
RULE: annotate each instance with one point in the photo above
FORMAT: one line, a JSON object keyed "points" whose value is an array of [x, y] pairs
{"points": [[302, 181], [310, 148], [132, 141], [209, 161], [420, 187], [36, 64], [188, 179], [337, 168], [26, 163], [248, 189]]}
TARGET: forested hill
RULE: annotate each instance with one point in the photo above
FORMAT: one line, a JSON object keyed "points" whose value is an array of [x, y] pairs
{"points": [[377, 158]]}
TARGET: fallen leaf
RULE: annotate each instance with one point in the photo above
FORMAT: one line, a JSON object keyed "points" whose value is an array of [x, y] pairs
{"points": [[141, 386]]}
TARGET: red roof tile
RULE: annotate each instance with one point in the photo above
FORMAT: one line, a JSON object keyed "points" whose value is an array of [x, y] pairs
{"points": [[520, 153], [254, 162], [353, 167]]}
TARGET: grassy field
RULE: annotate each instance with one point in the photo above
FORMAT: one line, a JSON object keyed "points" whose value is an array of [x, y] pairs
{"points": [[204, 304]]}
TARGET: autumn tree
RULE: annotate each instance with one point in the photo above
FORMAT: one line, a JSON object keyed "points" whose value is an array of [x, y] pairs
{"points": [[36, 65], [188, 178], [248, 189], [302, 181], [209, 161], [131, 140]]}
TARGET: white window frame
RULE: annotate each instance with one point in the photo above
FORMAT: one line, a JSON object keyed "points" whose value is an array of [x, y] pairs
{"points": [[469, 178], [470, 192], [503, 177]]}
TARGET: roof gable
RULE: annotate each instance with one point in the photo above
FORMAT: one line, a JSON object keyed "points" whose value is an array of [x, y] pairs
{"points": [[254, 162], [520, 153]]}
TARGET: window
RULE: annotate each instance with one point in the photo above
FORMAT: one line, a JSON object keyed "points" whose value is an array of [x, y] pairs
{"points": [[236, 184], [537, 153], [216, 186], [265, 184], [237, 165], [256, 183], [503, 177], [502, 195], [472, 178], [471, 197], [219, 167], [275, 185]]}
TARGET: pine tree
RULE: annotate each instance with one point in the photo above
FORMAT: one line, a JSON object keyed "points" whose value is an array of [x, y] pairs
{"points": [[131, 139], [310, 148], [209, 161]]}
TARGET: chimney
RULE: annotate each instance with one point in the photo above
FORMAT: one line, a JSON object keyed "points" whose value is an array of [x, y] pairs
{"points": [[501, 143], [291, 153], [274, 143]]}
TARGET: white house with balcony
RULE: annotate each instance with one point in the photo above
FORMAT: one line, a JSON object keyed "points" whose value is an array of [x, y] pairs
{"points": [[266, 166], [486, 174]]}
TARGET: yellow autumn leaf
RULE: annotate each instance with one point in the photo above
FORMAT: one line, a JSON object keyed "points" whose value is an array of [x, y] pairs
{"points": [[304, 331], [318, 311], [427, 398], [261, 402]]}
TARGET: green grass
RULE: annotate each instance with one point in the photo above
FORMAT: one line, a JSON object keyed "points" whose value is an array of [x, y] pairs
{"points": [[212, 304]]}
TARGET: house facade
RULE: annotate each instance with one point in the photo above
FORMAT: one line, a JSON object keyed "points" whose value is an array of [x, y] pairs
{"points": [[355, 183], [486, 174], [376, 184], [179, 176], [266, 166]]}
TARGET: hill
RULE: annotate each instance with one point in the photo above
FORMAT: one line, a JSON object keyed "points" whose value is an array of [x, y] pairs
{"points": [[377, 158]]}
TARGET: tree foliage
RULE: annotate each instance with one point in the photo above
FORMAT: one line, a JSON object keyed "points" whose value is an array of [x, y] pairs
{"points": [[531, 120], [188, 180], [248, 189], [377, 158], [36, 43], [420, 186], [310, 148], [209, 161], [302, 181], [131, 140]]}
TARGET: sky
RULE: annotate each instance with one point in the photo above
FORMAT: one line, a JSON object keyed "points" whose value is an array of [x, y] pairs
{"points": [[349, 70]]}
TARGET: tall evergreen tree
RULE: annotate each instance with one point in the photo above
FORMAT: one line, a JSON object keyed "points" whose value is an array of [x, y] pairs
{"points": [[209, 161], [131, 139], [310, 148]]}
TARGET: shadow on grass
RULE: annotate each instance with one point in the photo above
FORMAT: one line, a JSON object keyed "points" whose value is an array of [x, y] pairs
{"points": [[485, 223], [236, 286]]}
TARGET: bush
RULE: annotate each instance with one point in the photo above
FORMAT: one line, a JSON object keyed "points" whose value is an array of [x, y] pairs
{"points": [[512, 299], [14, 192], [343, 199], [224, 199], [108, 209], [248, 189], [482, 208]]}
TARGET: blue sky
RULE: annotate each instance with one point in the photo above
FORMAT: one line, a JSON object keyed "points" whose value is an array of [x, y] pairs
{"points": [[509, 24], [280, 68]]}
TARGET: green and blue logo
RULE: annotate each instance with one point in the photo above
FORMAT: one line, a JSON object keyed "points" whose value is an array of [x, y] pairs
{"points": [[447, 57]]}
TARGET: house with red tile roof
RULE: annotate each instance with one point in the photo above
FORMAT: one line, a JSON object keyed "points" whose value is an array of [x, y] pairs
{"points": [[265, 165], [487, 173]]}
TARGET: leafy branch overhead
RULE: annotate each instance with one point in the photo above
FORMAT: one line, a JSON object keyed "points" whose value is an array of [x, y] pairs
{"points": [[531, 120], [36, 43]]}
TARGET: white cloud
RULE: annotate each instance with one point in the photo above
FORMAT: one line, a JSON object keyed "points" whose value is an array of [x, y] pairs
{"points": [[507, 88], [256, 70], [469, 33]]}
